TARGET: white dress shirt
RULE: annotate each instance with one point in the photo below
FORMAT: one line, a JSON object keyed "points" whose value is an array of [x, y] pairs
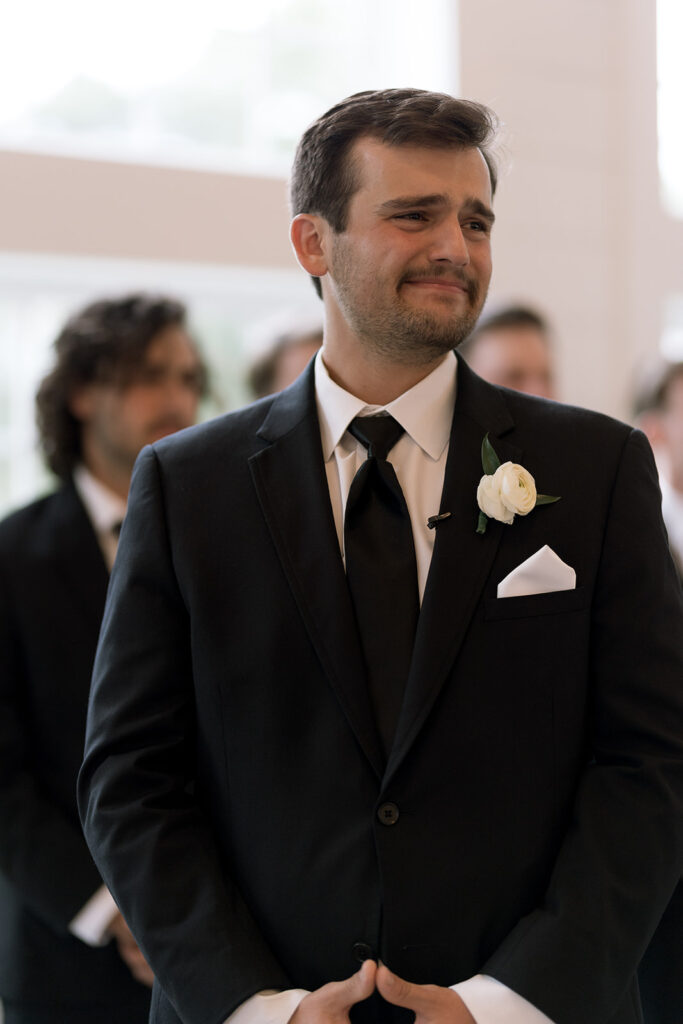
{"points": [[105, 511], [419, 459], [672, 511]]}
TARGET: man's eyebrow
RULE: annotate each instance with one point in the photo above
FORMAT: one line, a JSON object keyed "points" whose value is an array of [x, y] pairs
{"points": [[473, 205], [409, 202], [401, 203]]}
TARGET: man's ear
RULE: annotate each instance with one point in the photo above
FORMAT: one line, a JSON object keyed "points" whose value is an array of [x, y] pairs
{"points": [[310, 240]]}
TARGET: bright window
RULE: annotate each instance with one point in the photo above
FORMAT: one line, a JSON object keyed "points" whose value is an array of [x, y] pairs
{"points": [[213, 83], [670, 103]]}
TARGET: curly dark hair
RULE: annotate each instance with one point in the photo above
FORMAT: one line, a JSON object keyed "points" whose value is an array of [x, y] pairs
{"points": [[104, 342], [324, 179]]}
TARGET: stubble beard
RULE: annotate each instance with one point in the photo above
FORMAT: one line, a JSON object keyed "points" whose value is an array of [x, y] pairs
{"points": [[398, 332]]}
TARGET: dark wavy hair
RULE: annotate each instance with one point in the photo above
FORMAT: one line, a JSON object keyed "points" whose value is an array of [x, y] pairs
{"points": [[102, 343], [324, 179]]}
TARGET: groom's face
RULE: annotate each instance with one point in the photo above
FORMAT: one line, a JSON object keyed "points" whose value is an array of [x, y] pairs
{"points": [[410, 272]]}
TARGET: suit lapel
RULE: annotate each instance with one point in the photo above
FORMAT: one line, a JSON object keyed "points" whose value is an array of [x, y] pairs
{"points": [[462, 559], [74, 551], [291, 484]]}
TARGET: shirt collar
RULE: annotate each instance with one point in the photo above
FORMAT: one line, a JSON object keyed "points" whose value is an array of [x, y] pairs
{"points": [[425, 411], [104, 508]]}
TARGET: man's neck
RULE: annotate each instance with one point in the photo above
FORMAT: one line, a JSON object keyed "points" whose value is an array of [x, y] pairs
{"points": [[368, 376], [115, 478]]}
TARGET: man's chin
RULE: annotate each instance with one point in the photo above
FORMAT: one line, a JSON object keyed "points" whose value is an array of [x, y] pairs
{"points": [[440, 334]]}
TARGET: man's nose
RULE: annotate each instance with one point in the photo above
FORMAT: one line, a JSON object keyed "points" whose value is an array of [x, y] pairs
{"points": [[449, 244]]}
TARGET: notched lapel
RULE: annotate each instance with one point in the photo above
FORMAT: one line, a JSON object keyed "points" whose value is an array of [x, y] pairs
{"points": [[462, 559], [290, 481]]}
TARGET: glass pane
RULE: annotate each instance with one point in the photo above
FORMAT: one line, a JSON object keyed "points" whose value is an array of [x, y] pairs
{"points": [[208, 84], [670, 103]]}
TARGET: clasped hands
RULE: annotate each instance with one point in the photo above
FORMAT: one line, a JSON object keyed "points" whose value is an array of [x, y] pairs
{"points": [[130, 952], [431, 1004]]}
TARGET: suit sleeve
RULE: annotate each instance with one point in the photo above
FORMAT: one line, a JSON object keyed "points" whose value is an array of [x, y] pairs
{"points": [[150, 838], [621, 856], [43, 854]]}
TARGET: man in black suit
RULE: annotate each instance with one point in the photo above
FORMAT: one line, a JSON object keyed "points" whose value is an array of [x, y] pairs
{"points": [[289, 771], [126, 373]]}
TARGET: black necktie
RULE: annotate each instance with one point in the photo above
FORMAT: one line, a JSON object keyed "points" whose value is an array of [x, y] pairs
{"points": [[381, 570]]}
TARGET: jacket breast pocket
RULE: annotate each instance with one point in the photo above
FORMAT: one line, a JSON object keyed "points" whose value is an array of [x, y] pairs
{"points": [[555, 603]]}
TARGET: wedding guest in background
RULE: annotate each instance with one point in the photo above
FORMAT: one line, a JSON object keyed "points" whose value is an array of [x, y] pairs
{"points": [[658, 411], [512, 347], [126, 373], [282, 360]]}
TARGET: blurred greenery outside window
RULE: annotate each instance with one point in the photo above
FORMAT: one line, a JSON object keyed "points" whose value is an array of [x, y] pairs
{"points": [[216, 85]]}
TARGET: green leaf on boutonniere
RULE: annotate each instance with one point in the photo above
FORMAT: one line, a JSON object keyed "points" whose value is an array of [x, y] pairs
{"points": [[489, 460], [482, 523], [546, 499]]}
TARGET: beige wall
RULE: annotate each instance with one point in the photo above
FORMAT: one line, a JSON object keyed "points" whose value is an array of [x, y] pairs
{"points": [[580, 227], [93, 208]]}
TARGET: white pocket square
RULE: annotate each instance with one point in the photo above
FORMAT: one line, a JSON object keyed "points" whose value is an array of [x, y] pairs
{"points": [[542, 573]]}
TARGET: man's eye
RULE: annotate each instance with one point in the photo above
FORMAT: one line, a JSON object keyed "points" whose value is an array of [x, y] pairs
{"points": [[413, 215], [477, 225]]}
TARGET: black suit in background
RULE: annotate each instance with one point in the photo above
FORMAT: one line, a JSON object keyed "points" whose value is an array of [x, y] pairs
{"points": [[528, 823], [53, 584], [661, 971]]}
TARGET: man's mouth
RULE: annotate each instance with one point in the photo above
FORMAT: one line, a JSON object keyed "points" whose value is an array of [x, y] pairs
{"points": [[445, 284]]}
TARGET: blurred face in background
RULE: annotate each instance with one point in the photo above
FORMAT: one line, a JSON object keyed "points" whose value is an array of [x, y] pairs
{"points": [[514, 357], [119, 419], [669, 434], [293, 360]]}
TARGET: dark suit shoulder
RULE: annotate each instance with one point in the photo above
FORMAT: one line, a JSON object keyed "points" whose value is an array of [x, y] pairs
{"points": [[546, 432], [237, 429], [543, 411], [20, 529]]}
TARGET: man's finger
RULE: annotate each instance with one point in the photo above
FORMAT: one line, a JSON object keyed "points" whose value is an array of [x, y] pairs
{"points": [[333, 1001], [355, 989], [430, 1003], [399, 991]]}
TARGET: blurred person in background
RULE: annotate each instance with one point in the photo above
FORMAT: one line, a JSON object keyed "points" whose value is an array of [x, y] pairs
{"points": [[126, 373], [511, 347], [658, 411], [282, 360]]}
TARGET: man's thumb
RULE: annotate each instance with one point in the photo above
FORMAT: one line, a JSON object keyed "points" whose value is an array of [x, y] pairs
{"points": [[362, 983], [395, 990]]}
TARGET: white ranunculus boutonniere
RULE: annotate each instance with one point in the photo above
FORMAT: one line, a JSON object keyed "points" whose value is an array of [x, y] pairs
{"points": [[506, 490]]}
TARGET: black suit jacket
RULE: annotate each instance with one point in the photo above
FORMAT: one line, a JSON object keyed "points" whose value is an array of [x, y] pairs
{"points": [[233, 790], [53, 583]]}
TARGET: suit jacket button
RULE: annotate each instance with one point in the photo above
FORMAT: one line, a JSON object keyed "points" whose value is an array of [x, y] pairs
{"points": [[388, 814], [362, 952]]}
